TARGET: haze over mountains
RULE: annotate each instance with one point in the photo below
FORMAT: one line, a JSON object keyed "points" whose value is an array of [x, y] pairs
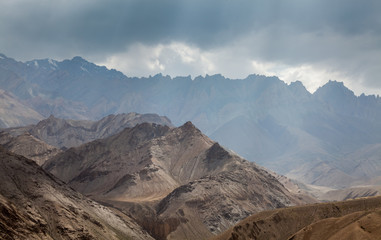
{"points": [[175, 182], [329, 138], [15, 113], [66, 133]]}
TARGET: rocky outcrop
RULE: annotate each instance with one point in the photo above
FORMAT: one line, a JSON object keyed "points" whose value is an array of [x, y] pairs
{"points": [[175, 182]]}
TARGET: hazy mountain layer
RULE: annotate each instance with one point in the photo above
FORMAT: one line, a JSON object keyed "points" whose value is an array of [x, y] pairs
{"points": [[36, 205], [65, 133], [176, 182], [14, 113], [310, 137], [355, 219]]}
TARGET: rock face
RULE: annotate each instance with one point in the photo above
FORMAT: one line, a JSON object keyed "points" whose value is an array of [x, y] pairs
{"points": [[353, 219], [64, 133], [176, 182], [36, 205]]}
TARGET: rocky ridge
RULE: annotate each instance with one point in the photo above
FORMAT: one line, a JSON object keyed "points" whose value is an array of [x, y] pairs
{"points": [[168, 179], [66, 133], [353, 219]]}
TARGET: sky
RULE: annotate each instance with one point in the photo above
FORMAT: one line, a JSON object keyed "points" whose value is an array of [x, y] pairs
{"points": [[312, 41]]}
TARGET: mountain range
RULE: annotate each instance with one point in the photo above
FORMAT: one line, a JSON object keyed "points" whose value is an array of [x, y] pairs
{"points": [[175, 182], [172, 183], [166, 182], [329, 138]]}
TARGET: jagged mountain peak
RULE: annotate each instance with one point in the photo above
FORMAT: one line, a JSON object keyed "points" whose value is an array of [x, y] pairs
{"points": [[189, 126], [79, 59], [298, 85], [333, 89], [299, 90]]}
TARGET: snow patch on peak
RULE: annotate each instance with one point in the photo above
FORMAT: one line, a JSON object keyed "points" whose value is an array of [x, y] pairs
{"points": [[35, 63], [84, 69], [52, 62]]}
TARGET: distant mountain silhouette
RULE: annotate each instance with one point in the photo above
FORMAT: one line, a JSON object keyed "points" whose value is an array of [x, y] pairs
{"points": [[66, 133]]}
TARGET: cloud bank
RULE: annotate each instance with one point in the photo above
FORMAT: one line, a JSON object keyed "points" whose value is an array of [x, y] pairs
{"points": [[311, 41]]}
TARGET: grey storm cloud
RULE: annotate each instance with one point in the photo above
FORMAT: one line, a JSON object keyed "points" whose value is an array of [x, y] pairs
{"points": [[292, 32], [111, 25]]}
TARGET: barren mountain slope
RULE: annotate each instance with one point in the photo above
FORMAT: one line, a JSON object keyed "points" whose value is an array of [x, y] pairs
{"points": [[65, 133], [28, 146], [351, 193], [176, 182], [36, 205], [352, 219], [14, 113]]}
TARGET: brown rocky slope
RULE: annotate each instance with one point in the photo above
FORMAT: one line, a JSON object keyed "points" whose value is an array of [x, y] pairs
{"points": [[175, 182], [28, 146], [36, 205], [352, 219]]}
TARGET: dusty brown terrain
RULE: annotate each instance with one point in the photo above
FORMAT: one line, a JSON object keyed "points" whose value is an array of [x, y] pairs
{"points": [[352, 219], [28, 146], [175, 182], [36, 205]]}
